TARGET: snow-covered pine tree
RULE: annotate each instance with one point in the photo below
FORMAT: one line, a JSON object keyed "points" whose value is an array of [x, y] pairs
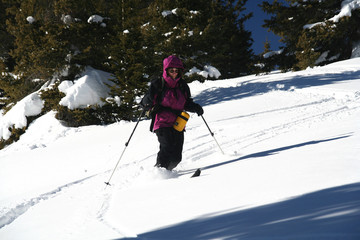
{"points": [[310, 33], [88, 30], [130, 60], [228, 44], [326, 39], [58, 38], [266, 63], [202, 33], [37, 53]]}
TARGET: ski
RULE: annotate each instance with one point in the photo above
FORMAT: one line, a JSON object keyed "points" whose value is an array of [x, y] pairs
{"points": [[196, 173]]}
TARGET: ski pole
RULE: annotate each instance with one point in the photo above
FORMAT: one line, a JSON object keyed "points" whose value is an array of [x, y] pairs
{"points": [[212, 134], [126, 144]]}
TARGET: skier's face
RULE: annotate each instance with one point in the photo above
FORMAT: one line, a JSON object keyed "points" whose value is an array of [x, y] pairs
{"points": [[173, 72]]}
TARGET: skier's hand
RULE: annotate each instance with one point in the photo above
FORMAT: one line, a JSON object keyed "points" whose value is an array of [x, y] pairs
{"points": [[199, 110], [144, 106]]}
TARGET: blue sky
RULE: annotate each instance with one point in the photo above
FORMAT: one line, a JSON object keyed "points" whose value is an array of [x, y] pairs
{"points": [[258, 33]]}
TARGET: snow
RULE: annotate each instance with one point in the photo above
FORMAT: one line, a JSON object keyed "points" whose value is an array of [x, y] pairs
{"points": [[209, 71], [310, 26], [166, 13], [272, 53], [67, 19], [347, 6], [323, 57], [87, 90], [16, 117], [290, 168], [356, 50], [30, 19], [95, 19]]}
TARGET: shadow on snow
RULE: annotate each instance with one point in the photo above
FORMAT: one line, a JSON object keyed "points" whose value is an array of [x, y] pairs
{"points": [[332, 213], [275, 151], [248, 89]]}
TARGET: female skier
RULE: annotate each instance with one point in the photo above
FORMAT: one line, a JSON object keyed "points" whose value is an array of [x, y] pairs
{"points": [[166, 99]]}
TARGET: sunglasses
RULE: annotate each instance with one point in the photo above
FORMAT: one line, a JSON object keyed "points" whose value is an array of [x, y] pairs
{"points": [[173, 70]]}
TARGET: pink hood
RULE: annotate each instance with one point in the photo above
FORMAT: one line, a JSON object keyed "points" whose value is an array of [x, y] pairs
{"points": [[171, 62]]}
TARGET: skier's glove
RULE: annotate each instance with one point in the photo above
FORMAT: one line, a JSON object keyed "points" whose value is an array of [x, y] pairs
{"points": [[199, 110], [144, 106]]}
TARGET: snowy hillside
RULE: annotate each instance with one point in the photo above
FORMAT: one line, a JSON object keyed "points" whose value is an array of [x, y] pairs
{"points": [[291, 168]]}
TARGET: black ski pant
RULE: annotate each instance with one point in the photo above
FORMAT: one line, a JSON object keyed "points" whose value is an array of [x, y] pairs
{"points": [[171, 146]]}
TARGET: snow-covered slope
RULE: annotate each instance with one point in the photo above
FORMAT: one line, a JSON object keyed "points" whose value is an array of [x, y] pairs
{"points": [[291, 168]]}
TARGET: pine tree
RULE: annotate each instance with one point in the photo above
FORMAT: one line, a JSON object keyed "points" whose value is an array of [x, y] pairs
{"points": [[35, 56], [6, 62], [6, 41], [201, 33], [308, 45], [286, 23], [129, 58], [56, 39], [229, 43], [265, 63], [87, 29]]}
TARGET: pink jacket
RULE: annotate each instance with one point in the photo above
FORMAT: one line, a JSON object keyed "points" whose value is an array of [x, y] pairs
{"points": [[173, 97]]}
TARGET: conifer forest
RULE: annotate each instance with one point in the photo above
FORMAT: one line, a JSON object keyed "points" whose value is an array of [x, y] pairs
{"points": [[44, 42]]}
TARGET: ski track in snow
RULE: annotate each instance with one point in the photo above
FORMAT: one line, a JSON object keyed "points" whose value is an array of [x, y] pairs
{"points": [[313, 112], [12, 214], [269, 133], [291, 125]]}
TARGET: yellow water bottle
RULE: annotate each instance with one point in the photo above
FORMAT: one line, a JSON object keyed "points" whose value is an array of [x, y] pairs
{"points": [[181, 121]]}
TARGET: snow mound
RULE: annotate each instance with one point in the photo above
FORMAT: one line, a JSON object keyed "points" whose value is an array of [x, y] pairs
{"points": [[272, 53], [30, 19], [209, 71], [87, 90], [29, 106], [347, 6], [95, 19]]}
